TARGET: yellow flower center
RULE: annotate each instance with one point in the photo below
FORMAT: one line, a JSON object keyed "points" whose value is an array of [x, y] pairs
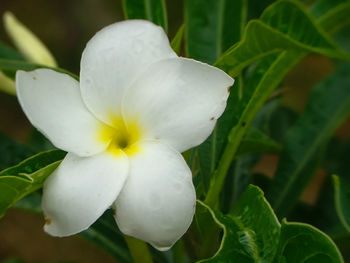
{"points": [[121, 137]]}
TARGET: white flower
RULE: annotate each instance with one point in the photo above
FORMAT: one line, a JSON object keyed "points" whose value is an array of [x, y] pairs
{"points": [[137, 106]]}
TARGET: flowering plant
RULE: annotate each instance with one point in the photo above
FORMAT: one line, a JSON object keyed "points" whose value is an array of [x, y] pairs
{"points": [[174, 144]]}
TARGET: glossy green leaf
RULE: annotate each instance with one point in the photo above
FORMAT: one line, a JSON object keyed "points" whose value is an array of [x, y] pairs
{"points": [[152, 10], [342, 200], [176, 43], [304, 143], [278, 29], [251, 231], [212, 27], [26, 177], [304, 243], [11, 66]]}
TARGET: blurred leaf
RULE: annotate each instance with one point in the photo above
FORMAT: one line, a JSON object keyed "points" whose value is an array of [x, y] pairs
{"points": [[27, 42], [256, 141], [321, 7], [337, 160], [212, 27], [336, 18], [8, 53], [305, 141], [105, 234], [26, 177], [7, 85], [237, 181], [152, 10], [251, 231], [177, 41], [303, 243], [31, 202], [342, 200], [278, 29], [11, 66], [281, 120], [257, 7], [12, 152]]}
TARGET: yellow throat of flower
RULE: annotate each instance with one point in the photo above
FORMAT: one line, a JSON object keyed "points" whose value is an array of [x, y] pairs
{"points": [[121, 137]]}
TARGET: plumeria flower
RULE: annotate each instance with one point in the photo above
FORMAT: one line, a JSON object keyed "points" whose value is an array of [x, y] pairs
{"points": [[137, 107]]}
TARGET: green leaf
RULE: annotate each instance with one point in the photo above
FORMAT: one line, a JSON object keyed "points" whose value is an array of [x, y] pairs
{"points": [[264, 79], [237, 181], [279, 29], [26, 177], [211, 150], [12, 152], [305, 141], [256, 141], [177, 41], [8, 53], [342, 200], [152, 10], [336, 18], [321, 7], [225, 26], [303, 243], [105, 234], [251, 231], [11, 66], [267, 82], [212, 27]]}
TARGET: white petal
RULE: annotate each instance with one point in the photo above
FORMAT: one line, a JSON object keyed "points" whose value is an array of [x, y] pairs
{"points": [[80, 190], [114, 57], [178, 101], [53, 104], [157, 202]]}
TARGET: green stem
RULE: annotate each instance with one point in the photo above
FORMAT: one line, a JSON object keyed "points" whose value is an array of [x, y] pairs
{"points": [[139, 250]]}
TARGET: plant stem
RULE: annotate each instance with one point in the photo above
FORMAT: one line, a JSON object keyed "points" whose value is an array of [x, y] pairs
{"points": [[273, 76], [139, 250]]}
